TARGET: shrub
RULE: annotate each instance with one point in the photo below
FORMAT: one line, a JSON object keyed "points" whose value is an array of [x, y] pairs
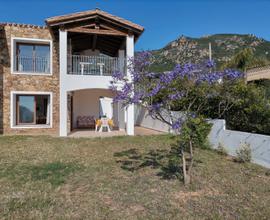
{"points": [[221, 149], [197, 130], [244, 153], [250, 111]]}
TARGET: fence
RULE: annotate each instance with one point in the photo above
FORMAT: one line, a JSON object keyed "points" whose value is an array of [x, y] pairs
{"points": [[94, 65], [32, 64]]}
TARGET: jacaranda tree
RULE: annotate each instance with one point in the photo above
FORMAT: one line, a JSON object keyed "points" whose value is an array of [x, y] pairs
{"points": [[187, 89]]}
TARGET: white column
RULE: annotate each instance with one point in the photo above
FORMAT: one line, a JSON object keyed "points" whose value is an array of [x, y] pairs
{"points": [[63, 93], [130, 108], [121, 110], [121, 59]]}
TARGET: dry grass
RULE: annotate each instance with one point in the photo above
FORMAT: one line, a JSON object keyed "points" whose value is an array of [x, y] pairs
{"points": [[123, 178]]}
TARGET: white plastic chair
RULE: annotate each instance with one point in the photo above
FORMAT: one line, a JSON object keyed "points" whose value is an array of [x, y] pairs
{"points": [[104, 124]]}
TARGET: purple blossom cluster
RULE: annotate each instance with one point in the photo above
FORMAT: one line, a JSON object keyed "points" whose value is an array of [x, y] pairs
{"points": [[176, 125], [148, 86], [155, 90], [175, 96], [118, 75]]}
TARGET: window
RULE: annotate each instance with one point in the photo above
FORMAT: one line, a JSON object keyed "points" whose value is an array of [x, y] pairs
{"points": [[31, 56], [32, 109]]}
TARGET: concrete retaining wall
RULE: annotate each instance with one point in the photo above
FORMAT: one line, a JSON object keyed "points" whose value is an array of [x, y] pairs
{"points": [[143, 119], [232, 140]]}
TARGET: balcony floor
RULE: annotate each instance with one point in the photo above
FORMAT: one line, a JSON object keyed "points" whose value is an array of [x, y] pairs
{"points": [[139, 131]]}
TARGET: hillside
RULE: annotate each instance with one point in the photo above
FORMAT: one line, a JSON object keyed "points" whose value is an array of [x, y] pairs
{"points": [[224, 46]]}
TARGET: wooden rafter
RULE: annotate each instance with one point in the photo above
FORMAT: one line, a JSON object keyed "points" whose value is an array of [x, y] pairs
{"points": [[94, 44], [96, 31]]}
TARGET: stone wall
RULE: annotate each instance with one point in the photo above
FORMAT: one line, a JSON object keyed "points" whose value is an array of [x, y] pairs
{"points": [[11, 82]]}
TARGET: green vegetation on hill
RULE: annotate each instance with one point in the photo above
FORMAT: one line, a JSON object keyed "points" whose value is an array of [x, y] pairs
{"points": [[224, 48]]}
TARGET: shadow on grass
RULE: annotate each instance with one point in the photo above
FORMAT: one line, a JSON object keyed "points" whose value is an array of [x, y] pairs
{"points": [[167, 162]]}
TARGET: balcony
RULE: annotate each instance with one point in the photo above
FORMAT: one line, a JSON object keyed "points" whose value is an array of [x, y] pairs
{"points": [[95, 65], [33, 64]]}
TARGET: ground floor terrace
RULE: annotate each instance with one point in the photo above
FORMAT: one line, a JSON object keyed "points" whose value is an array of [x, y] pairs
{"points": [[90, 110], [138, 131]]}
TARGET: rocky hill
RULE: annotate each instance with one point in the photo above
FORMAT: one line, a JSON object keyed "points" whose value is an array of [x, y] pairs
{"points": [[224, 47]]}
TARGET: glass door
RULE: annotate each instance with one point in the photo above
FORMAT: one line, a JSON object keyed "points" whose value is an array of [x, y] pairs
{"points": [[26, 109]]}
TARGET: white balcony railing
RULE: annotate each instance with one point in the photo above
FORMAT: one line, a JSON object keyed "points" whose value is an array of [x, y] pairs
{"points": [[32, 64], [94, 65]]}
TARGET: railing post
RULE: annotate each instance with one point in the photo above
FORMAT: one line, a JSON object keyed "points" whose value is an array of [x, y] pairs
{"points": [[121, 57]]}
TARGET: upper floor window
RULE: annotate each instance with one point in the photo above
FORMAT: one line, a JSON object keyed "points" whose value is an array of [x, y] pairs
{"points": [[31, 56]]}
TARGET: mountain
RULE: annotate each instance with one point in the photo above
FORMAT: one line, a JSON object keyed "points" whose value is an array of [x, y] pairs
{"points": [[195, 50]]}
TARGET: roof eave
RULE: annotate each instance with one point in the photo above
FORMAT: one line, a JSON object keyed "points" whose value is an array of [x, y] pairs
{"points": [[64, 19]]}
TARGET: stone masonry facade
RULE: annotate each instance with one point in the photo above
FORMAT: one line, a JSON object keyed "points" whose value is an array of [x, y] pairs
{"points": [[23, 82]]}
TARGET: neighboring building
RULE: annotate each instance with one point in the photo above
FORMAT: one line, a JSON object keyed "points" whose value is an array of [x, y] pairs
{"points": [[259, 73], [50, 75]]}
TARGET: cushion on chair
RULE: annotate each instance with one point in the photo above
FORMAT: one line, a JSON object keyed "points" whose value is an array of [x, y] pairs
{"points": [[86, 121]]}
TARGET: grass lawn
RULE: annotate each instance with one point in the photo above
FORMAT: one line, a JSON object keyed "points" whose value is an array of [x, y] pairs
{"points": [[123, 178]]}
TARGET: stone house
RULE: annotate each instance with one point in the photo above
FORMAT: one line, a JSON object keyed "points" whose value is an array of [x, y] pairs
{"points": [[51, 75]]}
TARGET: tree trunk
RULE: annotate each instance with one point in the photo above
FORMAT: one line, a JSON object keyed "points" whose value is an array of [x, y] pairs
{"points": [[187, 170], [184, 167], [191, 160]]}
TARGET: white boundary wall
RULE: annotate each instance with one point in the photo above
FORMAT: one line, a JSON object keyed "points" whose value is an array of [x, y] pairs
{"points": [[231, 140], [143, 119]]}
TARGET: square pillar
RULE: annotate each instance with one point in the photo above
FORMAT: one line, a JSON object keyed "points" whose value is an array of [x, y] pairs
{"points": [[121, 60], [63, 93], [129, 108]]}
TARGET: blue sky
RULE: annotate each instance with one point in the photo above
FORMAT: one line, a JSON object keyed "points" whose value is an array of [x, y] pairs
{"points": [[164, 20]]}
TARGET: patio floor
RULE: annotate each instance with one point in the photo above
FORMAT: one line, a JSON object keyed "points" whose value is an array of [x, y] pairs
{"points": [[91, 133]]}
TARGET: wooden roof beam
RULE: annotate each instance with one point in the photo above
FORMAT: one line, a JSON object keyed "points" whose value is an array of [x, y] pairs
{"points": [[96, 31]]}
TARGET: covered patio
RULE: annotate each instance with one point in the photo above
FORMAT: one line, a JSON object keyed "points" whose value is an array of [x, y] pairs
{"points": [[139, 131], [92, 46]]}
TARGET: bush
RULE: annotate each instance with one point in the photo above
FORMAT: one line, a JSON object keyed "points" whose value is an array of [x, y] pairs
{"points": [[250, 111], [196, 129], [243, 154], [221, 149]]}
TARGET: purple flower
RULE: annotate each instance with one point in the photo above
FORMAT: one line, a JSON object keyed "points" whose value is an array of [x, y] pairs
{"points": [[210, 63], [167, 77], [175, 96], [136, 76], [136, 97], [176, 125], [118, 75], [154, 108], [155, 90], [151, 75]]}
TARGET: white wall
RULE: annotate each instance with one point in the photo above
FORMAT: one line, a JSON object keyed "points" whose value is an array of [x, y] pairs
{"points": [[86, 102], [143, 119], [232, 140]]}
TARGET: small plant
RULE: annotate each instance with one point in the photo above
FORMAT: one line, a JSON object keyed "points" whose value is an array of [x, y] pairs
{"points": [[244, 153], [221, 149]]}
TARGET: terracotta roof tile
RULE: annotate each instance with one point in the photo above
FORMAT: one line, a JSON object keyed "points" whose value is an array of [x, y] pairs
{"points": [[22, 25]]}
